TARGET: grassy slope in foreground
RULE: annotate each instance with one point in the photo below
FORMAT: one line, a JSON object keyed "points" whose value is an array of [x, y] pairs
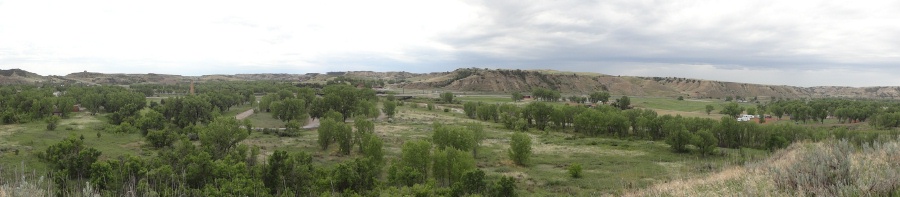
{"points": [[829, 168]]}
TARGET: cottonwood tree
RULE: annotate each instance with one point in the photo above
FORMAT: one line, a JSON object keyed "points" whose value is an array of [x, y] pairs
{"points": [[516, 97], [221, 135], [72, 157], [327, 128], [389, 108], [453, 137], [447, 97], [52, 122], [449, 164], [706, 142], [364, 129], [732, 109], [623, 103], [150, 120], [679, 137], [601, 96], [709, 108], [343, 135], [538, 114], [470, 109], [520, 148], [416, 155]]}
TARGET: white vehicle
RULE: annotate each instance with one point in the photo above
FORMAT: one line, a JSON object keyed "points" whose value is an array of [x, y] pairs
{"points": [[745, 118]]}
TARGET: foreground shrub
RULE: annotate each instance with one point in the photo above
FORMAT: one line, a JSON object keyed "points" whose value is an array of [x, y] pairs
{"points": [[824, 173], [575, 170]]}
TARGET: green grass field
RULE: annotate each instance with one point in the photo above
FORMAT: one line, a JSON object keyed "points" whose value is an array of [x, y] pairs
{"points": [[486, 98], [33, 138]]}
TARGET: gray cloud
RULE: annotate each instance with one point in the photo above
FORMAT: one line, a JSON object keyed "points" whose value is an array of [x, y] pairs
{"points": [[659, 32]]}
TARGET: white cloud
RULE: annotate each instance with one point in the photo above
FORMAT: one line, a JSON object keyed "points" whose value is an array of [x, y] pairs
{"points": [[238, 33]]}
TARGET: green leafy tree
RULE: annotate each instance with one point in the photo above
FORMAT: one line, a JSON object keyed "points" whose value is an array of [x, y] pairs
{"points": [[602, 96], [589, 122], [706, 142], [488, 112], [470, 109], [390, 97], [150, 120], [732, 109], [373, 149], [248, 124], [623, 103], [776, 142], [447, 97], [289, 174], [161, 138], [344, 99], [505, 187], [751, 111], [478, 136], [92, 102], [389, 108], [709, 109], [368, 109], [538, 113], [449, 164], [343, 135], [317, 108], [289, 109], [354, 176], [679, 137], [65, 105], [221, 136], [71, 157], [452, 137], [516, 97], [520, 148], [52, 122], [508, 115], [472, 182], [364, 129], [546, 94], [416, 155], [327, 128]]}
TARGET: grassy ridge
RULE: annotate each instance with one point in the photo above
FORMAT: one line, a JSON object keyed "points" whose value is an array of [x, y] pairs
{"points": [[829, 168]]}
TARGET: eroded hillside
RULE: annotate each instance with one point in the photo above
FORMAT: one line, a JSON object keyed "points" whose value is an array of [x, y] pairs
{"points": [[505, 81]]}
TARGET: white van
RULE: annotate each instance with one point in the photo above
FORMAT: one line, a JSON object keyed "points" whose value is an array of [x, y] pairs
{"points": [[745, 118]]}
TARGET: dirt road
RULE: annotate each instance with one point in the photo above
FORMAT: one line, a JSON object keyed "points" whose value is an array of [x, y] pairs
{"points": [[245, 114]]}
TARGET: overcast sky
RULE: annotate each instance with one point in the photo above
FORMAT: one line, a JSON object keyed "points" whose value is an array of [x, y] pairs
{"points": [[802, 43]]}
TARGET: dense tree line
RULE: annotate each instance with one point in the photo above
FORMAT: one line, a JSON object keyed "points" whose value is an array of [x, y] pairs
{"points": [[544, 94], [702, 133], [23, 104]]}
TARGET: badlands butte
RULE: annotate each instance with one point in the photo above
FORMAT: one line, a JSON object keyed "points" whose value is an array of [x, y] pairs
{"points": [[478, 80]]}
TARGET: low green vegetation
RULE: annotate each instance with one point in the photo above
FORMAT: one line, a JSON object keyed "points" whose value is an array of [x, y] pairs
{"points": [[192, 144]]}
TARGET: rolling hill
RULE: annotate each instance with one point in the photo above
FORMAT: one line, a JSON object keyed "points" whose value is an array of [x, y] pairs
{"points": [[500, 81]]}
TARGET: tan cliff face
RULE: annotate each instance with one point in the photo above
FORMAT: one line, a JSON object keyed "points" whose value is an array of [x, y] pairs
{"points": [[507, 81]]}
